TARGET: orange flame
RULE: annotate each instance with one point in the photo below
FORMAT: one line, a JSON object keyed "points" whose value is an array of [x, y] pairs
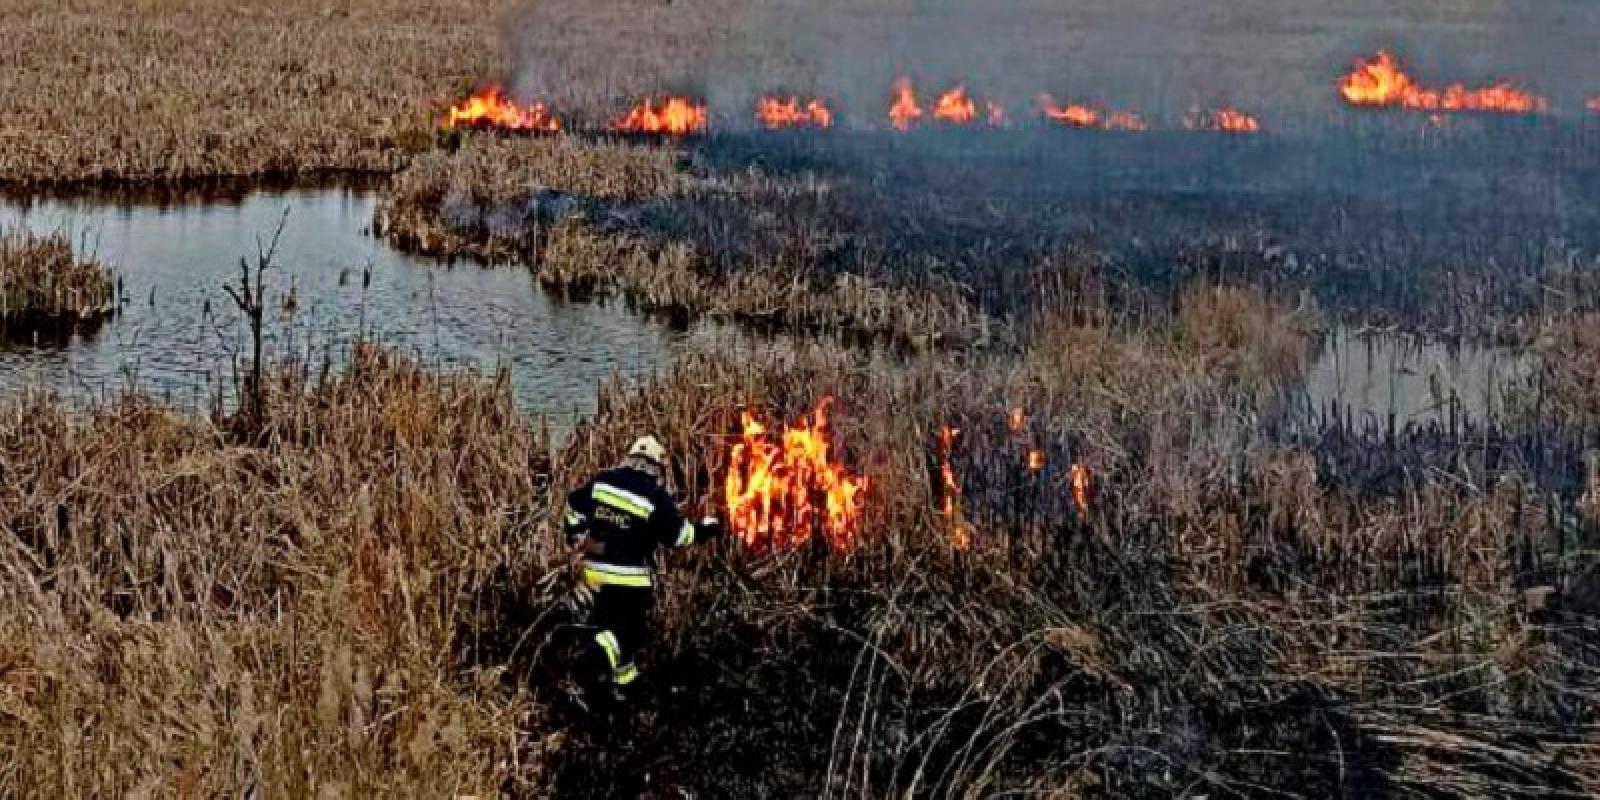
{"points": [[1073, 115], [1382, 83], [1080, 487], [955, 107], [1015, 420], [781, 493], [1035, 460], [950, 505], [677, 116], [490, 108], [774, 113], [1227, 120], [905, 110]]}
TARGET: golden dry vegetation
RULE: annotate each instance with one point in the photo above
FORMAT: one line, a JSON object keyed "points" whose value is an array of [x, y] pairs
{"points": [[360, 598], [169, 90]]}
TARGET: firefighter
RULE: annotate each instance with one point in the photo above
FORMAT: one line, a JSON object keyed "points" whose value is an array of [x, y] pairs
{"points": [[617, 521]]}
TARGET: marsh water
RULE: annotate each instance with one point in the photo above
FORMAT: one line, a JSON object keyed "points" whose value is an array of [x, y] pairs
{"points": [[331, 282], [1401, 379], [178, 333]]}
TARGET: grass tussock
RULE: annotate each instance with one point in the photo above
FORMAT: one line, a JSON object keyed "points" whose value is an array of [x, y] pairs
{"points": [[43, 279], [149, 91]]}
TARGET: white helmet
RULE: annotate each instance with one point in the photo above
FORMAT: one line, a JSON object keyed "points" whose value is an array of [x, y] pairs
{"points": [[649, 447]]}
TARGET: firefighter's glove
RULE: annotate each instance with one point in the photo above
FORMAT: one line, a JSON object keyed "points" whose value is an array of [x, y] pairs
{"points": [[709, 528], [580, 600]]}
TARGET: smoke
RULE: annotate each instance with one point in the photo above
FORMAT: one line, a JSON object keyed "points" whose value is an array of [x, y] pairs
{"points": [[1278, 58]]}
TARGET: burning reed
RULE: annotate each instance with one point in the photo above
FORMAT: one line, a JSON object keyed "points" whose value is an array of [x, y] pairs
{"points": [[1215, 610]]}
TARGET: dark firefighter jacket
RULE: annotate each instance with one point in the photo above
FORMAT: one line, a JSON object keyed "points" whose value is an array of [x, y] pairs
{"points": [[627, 515]]}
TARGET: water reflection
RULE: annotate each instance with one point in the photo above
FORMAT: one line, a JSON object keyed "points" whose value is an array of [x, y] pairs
{"points": [[1412, 380], [178, 332]]}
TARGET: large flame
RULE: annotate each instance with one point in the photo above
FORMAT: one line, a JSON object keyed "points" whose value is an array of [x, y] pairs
{"points": [[1381, 82], [781, 492], [1593, 105], [490, 108], [676, 116], [774, 113], [1227, 120]]}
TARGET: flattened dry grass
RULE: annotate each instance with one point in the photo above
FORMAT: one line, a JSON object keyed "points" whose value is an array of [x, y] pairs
{"points": [[170, 91], [43, 279]]}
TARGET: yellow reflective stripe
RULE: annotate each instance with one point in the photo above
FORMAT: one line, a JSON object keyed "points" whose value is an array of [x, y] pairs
{"points": [[627, 674], [686, 534], [608, 642], [623, 500], [573, 517], [600, 577]]}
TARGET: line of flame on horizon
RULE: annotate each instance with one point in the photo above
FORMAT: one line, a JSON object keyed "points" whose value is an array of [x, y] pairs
{"points": [[677, 116], [1074, 115], [1382, 82], [491, 108], [1377, 82], [774, 113]]}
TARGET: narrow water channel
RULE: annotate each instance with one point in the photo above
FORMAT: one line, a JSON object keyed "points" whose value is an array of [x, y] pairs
{"points": [[178, 330], [1412, 380]]}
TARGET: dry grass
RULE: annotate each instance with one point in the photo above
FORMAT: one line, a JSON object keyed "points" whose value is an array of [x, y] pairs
{"points": [[155, 90], [274, 620], [1229, 618], [489, 198], [346, 606], [42, 280]]}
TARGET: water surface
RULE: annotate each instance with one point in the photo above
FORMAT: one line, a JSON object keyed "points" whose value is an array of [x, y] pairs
{"points": [[178, 333]]}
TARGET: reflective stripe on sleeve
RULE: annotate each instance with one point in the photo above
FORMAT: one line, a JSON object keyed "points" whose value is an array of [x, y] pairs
{"points": [[626, 674], [622, 500], [572, 517], [686, 534], [598, 574]]}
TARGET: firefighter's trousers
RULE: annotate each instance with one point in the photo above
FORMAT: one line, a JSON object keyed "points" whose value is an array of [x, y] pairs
{"points": [[621, 617]]}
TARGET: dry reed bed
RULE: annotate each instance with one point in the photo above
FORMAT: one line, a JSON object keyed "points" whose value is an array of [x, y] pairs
{"points": [[42, 279], [155, 91], [346, 608], [1224, 620], [183, 615]]}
